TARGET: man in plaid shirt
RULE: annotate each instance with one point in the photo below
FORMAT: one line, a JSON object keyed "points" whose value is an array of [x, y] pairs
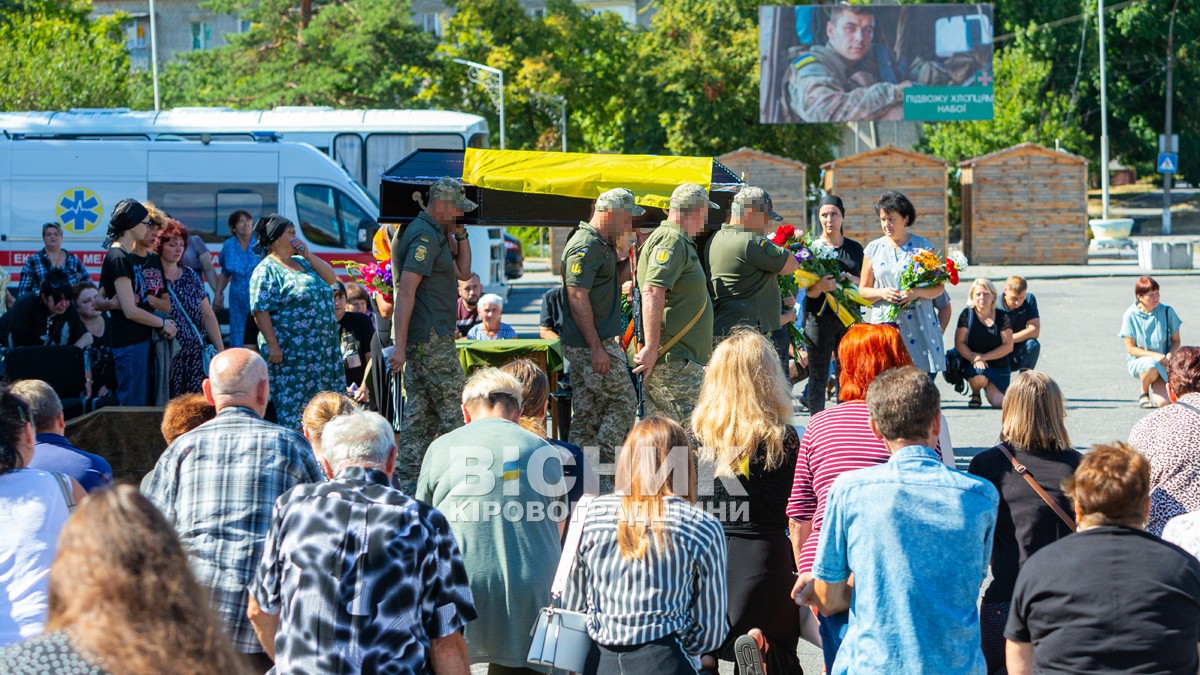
{"points": [[218, 484]]}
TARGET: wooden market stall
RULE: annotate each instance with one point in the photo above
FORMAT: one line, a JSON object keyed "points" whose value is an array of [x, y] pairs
{"points": [[860, 179], [785, 179], [1025, 205]]}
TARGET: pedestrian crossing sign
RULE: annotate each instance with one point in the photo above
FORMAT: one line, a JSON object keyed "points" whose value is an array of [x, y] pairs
{"points": [[1168, 162]]}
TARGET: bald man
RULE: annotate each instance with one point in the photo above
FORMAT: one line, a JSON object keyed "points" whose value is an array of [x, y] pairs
{"points": [[218, 484]]}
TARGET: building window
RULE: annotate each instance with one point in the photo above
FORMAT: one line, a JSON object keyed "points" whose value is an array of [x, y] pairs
{"points": [[243, 26], [536, 14], [201, 35], [430, 22], [137, 32]]}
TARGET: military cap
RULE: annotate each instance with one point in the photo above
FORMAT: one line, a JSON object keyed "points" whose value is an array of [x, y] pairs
{"points": [[756, 198], [618, 198], [451, 189], [690, 195]]}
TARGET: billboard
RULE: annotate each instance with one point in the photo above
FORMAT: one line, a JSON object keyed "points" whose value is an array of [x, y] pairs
{"points": [[858, 63]]}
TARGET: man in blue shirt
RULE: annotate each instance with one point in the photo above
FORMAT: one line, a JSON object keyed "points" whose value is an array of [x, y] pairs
{"points": [[905, 545], [53, 451]]}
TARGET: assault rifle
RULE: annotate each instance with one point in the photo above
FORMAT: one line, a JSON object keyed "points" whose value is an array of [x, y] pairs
{"points": [[639, 334]]}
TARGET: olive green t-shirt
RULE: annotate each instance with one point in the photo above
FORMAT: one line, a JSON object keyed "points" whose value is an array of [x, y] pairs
{"points": [[422, 248], [668, 260], [744, 268], [590, 261]]}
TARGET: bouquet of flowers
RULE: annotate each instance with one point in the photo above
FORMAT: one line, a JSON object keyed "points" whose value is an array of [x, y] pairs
{"points": [[375, 277], [817, 259], [926, 270]]}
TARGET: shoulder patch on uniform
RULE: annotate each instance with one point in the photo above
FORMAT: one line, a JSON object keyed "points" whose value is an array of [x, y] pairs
{"points": [[424, 239], [803, 60], [576, 268], [661, 256], [770, 247], [420, 253]]}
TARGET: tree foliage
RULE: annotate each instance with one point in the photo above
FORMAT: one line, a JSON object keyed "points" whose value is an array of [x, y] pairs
{"points": [[44, 44]]}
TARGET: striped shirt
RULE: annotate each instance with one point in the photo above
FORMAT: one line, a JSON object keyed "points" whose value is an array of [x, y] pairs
{"points": [[677, 590], [837, 440]]}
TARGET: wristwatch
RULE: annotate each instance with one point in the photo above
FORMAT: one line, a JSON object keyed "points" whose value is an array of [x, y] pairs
{"points": [[461, 237]]}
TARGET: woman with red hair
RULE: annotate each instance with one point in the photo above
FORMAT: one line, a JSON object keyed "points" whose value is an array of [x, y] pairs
{"points": [[190, 310], [839, 439]]}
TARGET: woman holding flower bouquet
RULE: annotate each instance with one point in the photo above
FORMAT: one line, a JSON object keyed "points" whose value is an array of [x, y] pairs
{"points": [[823, 328], [886, 260], [984, 339]]}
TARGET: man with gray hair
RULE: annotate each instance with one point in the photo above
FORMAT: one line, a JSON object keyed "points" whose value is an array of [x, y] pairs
{"points": [[502, 489], [743, 266], [429, 257], [53, 451], [356, 576], [218, 483], [677, 314], [593, 268]]}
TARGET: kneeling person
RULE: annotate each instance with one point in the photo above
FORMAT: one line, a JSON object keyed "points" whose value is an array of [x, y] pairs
{"points": [[356, 576]]}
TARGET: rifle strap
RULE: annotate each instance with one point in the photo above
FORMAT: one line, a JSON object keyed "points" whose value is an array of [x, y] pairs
{"points": [[679, 336]]}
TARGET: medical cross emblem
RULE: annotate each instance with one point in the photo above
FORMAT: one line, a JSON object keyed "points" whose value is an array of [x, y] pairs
{"points": [[985, 78], [78, 210]]}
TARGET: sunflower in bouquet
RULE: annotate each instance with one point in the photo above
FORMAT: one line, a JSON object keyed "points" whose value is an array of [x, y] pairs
{"points": [[926, 269], [817, 259]]}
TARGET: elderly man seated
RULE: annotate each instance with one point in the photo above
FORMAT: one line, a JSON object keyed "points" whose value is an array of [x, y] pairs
{"points": [[502, 489], [356, 576]]}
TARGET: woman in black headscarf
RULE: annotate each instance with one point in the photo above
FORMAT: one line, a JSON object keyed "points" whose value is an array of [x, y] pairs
{"points": [[131, 324], [821, 325], [292, 302]]}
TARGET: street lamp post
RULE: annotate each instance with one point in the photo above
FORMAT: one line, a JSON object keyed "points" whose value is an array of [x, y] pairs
{"points": [[1103, 117], [154, 56], [492, 81], [542, 100]]}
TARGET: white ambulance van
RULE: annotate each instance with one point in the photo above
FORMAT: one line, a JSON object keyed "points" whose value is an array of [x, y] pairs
{"points": [[75, 183]]}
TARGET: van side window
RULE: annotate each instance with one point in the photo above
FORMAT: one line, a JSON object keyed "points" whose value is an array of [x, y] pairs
{"points": [[328, 216], [317, 207], [204, 208]]}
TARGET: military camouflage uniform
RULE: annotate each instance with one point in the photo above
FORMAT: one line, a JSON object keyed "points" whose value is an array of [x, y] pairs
{"points": [[433, 378], [668, 259], [603, 406], [824, 87]]}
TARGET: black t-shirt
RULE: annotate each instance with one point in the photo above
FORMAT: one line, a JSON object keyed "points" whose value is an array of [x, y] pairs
{"points": [[850, 259], [355, 330], [1109, 600], [762, 502], [1024, 523], [1019, 317], [28, 323], [552, 310], [117, 264], [982, 339]]}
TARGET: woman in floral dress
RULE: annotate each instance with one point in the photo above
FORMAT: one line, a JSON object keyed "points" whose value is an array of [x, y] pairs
{"points": [[190, 310], [885, 260], [292, 302]]}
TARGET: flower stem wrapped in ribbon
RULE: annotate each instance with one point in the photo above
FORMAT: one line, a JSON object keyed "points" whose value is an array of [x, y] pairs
{"points": [[375, 277], [926, 270], [817, 259]]}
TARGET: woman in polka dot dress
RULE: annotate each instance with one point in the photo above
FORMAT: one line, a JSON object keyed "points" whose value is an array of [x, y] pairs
{"points": [[885, 260]]}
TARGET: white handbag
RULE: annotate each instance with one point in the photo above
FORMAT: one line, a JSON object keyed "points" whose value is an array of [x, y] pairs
{"points": [[560, 637]]}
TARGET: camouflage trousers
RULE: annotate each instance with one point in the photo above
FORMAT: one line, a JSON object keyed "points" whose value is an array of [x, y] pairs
{"points": [[672, 389], [433, 385], [602, 406]]}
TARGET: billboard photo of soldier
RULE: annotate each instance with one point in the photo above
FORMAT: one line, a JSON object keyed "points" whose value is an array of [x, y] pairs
{"points": [[859, 63]]}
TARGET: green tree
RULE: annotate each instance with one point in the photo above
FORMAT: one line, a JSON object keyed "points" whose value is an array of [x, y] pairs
{"points": [[45, 44]]}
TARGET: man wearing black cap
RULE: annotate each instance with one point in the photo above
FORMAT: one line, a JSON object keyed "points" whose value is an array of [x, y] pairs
{"points": [[121, 279], [822, 326], [429, 257], [743, 266]]}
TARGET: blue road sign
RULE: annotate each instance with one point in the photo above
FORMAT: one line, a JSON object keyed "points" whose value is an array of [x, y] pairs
{"points": [[1168, 162]]}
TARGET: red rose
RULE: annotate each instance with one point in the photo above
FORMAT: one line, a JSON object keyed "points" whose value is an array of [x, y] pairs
{"points": [[953, 270]]}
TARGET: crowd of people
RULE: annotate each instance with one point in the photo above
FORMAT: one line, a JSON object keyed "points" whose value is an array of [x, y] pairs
{"points": [[289, 526]]}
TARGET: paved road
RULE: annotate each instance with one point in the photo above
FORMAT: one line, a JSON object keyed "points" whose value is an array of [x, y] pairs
{"points": [[1080, 349]]}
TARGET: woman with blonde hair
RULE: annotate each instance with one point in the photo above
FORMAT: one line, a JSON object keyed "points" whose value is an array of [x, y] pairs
{"points": [[321, 408], [984, 339], [743, 423], [123, 600], [1033, 434], [650, 567]]}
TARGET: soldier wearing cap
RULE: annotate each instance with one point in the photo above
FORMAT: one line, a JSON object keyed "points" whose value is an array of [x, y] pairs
{"points": [[677, 314], [593, 269], [429, 257], [743, 265]]}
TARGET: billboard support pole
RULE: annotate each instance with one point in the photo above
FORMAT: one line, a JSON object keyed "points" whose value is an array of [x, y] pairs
{"points": [[1103, 116], [154, 56], [492, 81], [1166, 216]]}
